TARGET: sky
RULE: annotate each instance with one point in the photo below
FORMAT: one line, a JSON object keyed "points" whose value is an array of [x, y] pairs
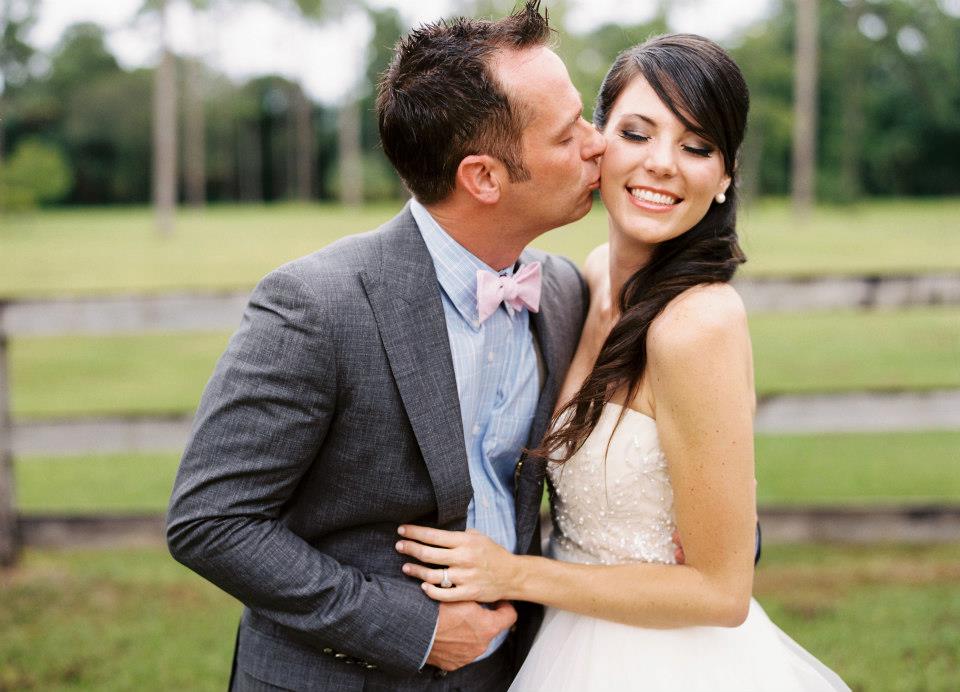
{"points": [[254, 38]]}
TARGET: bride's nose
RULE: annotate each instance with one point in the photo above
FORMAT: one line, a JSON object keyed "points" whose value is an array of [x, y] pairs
{"points": [[661, 159]]}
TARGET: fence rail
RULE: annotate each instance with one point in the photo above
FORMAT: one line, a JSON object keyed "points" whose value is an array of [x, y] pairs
{"points": [[908, 524], [780, 414], [211, 311], [219, 311]]}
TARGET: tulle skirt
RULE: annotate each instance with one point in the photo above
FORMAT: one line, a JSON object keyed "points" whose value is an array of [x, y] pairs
{"points": [[579, 653]]}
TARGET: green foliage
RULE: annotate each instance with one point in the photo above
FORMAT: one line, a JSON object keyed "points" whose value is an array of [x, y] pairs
{"points": [[37, 172], [15, 51], [888, 115]]}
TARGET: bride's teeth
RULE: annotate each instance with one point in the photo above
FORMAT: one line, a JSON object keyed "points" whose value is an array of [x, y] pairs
{"points": [[655, 197]]}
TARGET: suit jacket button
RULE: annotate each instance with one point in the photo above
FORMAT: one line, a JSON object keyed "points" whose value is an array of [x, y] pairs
{"points": [[440, 674], [327, 650]]}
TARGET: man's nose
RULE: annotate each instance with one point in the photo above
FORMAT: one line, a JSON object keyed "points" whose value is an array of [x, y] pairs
{"points": [[595, 144]]}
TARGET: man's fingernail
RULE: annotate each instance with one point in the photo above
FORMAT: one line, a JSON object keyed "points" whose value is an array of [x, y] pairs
{"points": [[406, 569], [399, 545], [402, 530]]}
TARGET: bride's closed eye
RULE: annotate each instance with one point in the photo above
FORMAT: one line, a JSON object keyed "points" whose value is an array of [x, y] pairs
{"points": [[698, 151], [701, 151], [632, 136]]}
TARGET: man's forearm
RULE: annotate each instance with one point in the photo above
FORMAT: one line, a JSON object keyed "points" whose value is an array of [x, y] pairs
{"points": [[388, 622]]}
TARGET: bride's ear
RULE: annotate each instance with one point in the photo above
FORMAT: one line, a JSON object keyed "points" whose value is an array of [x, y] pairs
{"points": [[481, 177]]}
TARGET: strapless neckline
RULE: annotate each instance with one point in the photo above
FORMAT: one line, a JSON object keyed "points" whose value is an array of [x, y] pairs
{"points": [[612, 501], [631, 410]]}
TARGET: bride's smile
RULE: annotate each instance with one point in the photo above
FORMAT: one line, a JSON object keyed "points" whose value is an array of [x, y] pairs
{"points": [[658, 177]]}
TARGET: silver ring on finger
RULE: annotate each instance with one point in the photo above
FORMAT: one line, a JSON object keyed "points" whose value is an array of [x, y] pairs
{"points": [[445, 582]]}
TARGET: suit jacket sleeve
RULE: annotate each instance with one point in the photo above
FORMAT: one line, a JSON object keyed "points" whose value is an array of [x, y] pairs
{"points": [[261, 420]]}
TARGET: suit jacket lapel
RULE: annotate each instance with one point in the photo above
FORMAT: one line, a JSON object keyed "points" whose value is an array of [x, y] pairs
{"points": [[406, 302], [529, 484]]}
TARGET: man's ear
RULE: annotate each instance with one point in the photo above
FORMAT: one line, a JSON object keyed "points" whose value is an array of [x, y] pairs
{"points": [[481, 177]]}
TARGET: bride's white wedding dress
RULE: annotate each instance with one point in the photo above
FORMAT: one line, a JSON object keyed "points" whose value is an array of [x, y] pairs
{"points": [[621, 510]]}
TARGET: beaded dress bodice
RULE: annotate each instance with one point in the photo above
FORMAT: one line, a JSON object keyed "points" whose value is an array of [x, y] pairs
{"points": [[614, 505]]}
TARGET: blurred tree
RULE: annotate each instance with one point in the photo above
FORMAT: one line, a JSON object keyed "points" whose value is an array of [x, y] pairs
{"points": [[164, 188], [380, 180], [17, 17], [194, 133], [805, 73], [350, 150], [36, 172], [195, 83], [93, 110]]}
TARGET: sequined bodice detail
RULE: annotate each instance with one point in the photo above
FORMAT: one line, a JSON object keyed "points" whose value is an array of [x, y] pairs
{"points": [[614, 505]]}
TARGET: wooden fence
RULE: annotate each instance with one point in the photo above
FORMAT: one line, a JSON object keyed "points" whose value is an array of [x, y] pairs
{"points": [[185, 312]]}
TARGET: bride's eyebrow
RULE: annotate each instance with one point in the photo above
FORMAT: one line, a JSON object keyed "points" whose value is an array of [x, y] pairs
{"points": [[653, 123], [645, 118]]}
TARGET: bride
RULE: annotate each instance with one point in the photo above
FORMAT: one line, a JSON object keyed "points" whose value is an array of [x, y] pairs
{"points": [[654, 432]]}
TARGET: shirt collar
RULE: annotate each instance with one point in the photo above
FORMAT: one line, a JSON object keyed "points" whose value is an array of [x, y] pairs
{"points": [[456, 266]]}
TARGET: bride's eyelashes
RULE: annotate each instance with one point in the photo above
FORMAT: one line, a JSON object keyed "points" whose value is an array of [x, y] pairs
{"points": [[633, 136], [703, 152]]}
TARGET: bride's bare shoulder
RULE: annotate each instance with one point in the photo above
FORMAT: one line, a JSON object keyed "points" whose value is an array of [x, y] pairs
{"points": [[699, 320], [597, 266]]}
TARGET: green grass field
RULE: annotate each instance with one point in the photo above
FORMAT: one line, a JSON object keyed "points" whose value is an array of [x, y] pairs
{"points": [[886, 619], [833, 469], [107, 250], [811, 352], [858, 469]]}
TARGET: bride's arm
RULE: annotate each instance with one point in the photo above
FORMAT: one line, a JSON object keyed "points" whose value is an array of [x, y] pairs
{"points": [[700, 377]]}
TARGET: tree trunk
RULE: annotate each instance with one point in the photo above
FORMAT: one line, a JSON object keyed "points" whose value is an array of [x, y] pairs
{"points": [[350, 153], [249, 162], [194, 155], [164, 134], [805, 108], [305, 145], [850, 143], [9, 534]]}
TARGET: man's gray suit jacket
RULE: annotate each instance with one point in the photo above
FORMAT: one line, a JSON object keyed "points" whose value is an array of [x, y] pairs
{"points": [[331, 418]]}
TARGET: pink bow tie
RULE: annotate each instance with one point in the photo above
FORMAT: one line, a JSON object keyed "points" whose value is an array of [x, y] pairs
{"points": [[515, 292]]}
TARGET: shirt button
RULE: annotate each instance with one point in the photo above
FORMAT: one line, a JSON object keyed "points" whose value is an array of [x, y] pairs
{"points": [[485, 503], [476, 429], [490, 357]]}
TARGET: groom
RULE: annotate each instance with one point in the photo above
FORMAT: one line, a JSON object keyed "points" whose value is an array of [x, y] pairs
{"points": [[369, 386]]}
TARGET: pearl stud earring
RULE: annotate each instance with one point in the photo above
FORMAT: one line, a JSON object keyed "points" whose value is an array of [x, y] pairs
{"points": [[720, 198]]}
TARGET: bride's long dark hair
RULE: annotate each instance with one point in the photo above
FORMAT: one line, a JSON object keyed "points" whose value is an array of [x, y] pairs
{"points": [[704, 88]]}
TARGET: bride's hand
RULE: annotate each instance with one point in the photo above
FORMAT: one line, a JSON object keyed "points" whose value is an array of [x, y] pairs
{"points": [[479, 569]]}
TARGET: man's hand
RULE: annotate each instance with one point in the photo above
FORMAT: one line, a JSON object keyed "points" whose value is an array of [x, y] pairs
{"points": [[465, 630]]}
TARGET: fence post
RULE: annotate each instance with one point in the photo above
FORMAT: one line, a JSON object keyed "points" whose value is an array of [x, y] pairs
{"points": [[9, 534]]}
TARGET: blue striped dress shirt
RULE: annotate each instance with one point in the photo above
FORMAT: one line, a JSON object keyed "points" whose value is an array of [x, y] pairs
{"points": [[497, 381]]}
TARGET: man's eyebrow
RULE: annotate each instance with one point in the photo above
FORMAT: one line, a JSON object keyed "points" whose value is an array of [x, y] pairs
{"points": [[570, 123]]}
